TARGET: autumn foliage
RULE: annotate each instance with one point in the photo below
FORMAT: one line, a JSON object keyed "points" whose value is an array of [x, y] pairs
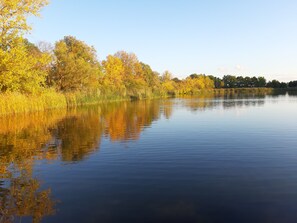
{"points": [[71, 69], [72, 66]]}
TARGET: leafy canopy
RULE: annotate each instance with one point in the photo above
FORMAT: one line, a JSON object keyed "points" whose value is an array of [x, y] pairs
{"points": [[13, 17], [76, 66], [23, 69]]}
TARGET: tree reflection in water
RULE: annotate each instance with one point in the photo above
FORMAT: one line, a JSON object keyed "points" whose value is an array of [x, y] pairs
{"points": [[71, 136]]}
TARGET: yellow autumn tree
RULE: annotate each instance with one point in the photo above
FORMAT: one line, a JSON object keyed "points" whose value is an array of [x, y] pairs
{"points": [[112, 80], [152, 80], [133, 74], [76, 67], [20, 70], [195, 83], [168, 85], [13, 17]]}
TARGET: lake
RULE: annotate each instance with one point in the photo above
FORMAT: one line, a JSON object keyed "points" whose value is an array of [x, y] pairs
{"points": [[230, 158]]}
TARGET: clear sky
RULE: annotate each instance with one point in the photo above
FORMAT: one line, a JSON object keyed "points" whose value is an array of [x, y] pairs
{"points": [[238, 37]]}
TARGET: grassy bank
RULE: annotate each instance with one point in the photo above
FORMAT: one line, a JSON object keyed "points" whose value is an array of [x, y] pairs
{"points": [[228, 91], [244, 90], [15, 103], [18, 103]]}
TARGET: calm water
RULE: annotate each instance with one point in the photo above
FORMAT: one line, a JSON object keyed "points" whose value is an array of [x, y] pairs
{"points": [[225, 159]]}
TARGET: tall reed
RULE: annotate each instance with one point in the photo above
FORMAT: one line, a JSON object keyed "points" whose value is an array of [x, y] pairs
{"points": [[13, 103]]}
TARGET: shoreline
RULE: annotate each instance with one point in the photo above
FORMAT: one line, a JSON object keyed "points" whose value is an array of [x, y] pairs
{"points": [[16, 103]]}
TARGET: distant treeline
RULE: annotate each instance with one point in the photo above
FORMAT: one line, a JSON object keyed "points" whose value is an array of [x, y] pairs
{"points": [[71, 67], [229, 81]]}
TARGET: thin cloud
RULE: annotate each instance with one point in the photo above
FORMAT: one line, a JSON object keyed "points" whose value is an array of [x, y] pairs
{"points": [[237, 69]]}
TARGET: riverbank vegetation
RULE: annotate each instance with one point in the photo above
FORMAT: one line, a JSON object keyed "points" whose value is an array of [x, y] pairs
{"points": [[38, 77]]}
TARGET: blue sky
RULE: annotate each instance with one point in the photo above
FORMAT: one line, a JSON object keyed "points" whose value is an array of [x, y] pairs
{"points": [[251, 37]]}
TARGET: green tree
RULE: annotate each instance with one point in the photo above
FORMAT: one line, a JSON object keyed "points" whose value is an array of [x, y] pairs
{"points": [[230, 81], [218, 82], [193, 76], [240, 82], [247, 82], [276, 84], [292, 84], [255, 82], [261, 82], [176, 80]]}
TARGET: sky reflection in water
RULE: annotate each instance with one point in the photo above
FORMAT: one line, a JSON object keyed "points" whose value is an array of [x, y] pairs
{"points": [[207, 159]]}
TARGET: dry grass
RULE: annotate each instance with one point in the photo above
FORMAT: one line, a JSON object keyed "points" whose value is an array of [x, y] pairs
{"points": [[13, 103]]}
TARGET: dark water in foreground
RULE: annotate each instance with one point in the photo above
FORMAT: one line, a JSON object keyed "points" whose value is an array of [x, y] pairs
{"points": [[177, 160]]}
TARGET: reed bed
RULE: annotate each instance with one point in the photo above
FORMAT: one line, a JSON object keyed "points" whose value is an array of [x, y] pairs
{"points": [[15, 103]]}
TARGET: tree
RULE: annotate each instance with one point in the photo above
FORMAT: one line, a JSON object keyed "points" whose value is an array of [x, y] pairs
{"points": [[218, 83], [168, 85], [13, 17], [240, 81], [131, 63], [292, 84], [254, 82], [76, 66], [176, 80], [193, 76], [167, 76], [113, 75], [133, 74], [248, 82], [230, 81], [23, 68], [150, 77], [208, 83], [283, 85], [261, 82], [276, 84]]}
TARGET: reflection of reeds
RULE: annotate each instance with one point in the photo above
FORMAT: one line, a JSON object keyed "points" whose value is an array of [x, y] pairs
{"points": [[71, 135], [20, 122], [74, 133], [22, 138], [292, 92]]}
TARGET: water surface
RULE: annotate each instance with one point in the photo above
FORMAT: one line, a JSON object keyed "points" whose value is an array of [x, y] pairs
{"points": [[212, 159]]}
